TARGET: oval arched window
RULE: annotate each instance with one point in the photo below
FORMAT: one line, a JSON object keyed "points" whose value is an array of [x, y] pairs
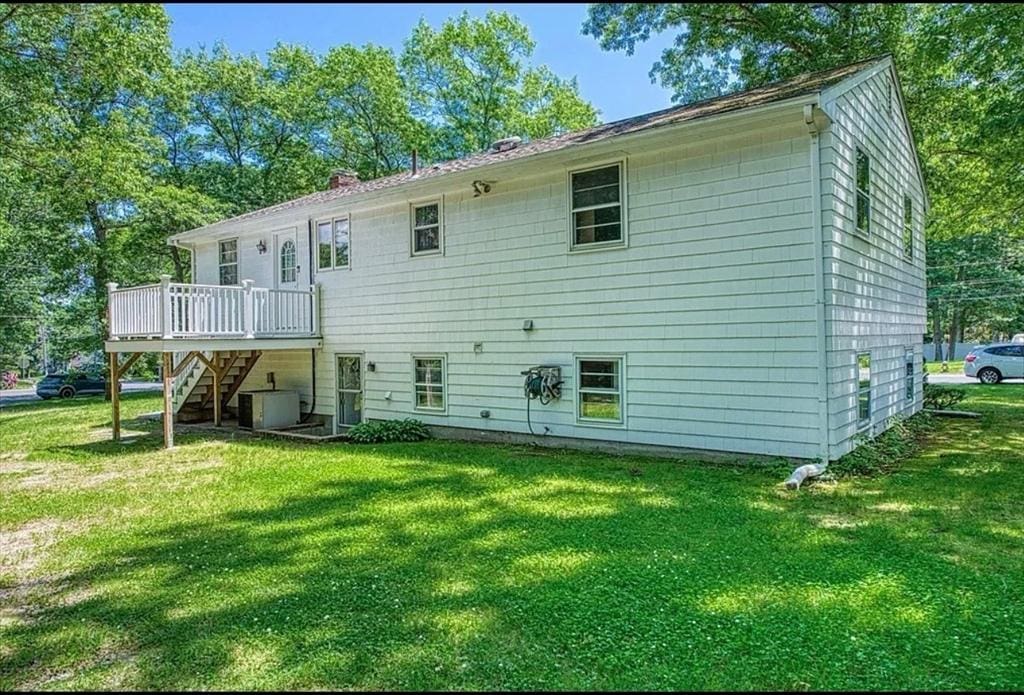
{"points": [[288, 261]]}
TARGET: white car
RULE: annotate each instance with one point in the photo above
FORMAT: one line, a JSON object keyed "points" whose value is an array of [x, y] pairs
{"points": [[990, 364], [1019, 338]]}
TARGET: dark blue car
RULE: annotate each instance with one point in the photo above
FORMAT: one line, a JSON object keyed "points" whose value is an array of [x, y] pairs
{"points": [[70, 385]]}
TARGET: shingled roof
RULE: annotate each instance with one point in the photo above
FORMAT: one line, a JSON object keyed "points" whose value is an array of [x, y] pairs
{"points": [[807, 83]]}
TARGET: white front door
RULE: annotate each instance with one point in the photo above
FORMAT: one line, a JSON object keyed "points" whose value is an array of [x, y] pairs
{"points": [[286, 260]]}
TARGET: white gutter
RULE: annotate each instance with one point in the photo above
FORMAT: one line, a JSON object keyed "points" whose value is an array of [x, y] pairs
{"points": [[813, 470]]}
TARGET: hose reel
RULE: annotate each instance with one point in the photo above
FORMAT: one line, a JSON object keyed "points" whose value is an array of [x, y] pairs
{"points": [[542, 383]]}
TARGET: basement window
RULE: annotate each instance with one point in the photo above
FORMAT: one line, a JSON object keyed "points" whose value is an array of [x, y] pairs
{"points": [[228, 262], [863, 193], [863, 390], [600, 389], [596, 208], [429, 382]]}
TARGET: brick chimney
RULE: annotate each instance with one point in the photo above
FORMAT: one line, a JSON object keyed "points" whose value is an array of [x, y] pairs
{"points": [[340, 178]]}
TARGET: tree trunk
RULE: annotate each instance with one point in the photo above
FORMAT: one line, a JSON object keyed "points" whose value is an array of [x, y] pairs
{"points": [[954, 331], [179, 264], [100, 277]]}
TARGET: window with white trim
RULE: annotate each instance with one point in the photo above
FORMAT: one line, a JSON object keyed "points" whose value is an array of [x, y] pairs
{"points": [[227, 255], [863, 181], [863, 389], [332, 243], [427, 228], [429, 379], [908, 358], [599, 389], [288, 261], [595, 207], [908, 228]]}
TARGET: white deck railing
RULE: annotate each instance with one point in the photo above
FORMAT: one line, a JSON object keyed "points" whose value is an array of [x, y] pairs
{"points": [[177, 310]]}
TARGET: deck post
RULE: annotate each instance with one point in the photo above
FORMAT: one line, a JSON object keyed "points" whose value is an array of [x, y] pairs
{"points": [[248, 310], [115, 397], [216, 389], [316, 308], [166, 323], [167, 373]]}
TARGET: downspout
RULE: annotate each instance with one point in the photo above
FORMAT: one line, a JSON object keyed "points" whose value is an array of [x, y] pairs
{"points": [[312, 351], [813, 470]]}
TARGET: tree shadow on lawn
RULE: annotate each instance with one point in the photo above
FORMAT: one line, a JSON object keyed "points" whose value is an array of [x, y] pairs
{"points": [[446, 567]]}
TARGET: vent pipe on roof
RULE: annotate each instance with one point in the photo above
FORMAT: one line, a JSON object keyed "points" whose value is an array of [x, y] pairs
{"points": [[414, 162], [340, 178], [506, 144]]}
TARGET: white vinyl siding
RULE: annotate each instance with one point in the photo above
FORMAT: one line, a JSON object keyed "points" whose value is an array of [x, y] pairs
{"points": [[228, 262], [599, 391], [429, 379], [717, 279], [597, 214], [427, 228], [875, 294]]}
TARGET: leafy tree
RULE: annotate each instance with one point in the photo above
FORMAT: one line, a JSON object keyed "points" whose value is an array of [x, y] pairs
{"points": [[366, 122], [72, 82], [469, 84]]}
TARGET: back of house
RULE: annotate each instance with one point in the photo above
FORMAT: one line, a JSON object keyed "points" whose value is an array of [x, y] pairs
{"points": [[744, 274]]}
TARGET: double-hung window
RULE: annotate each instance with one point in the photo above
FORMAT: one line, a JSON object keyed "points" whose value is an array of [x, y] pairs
{"points": [[863, 390], [427, 228], [908, 358], [332, 243], [228, 261], [599, 388], [429, 380], [908, 228], [596, 207], [863, 180]]}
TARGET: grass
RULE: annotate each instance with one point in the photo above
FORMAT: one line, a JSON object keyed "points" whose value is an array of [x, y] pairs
{"points": [[955, 367], [267, 564]]}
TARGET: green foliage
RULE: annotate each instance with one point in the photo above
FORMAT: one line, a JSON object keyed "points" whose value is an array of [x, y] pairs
{"points": [[383, 431], [938, 397], [469, 84], [886, 452]]}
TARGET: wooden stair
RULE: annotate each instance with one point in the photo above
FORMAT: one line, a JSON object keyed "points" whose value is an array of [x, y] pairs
{"points": [[198, 407]]}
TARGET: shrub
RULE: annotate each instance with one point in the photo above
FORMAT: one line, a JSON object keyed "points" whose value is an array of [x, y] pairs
{"points": [[380, 431], [942, 397], [8, 380], [887, 451]]}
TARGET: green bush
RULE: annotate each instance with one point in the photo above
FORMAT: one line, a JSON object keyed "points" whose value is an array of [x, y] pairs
{"points": [[942, 397], [887, 451], [381, 431]]}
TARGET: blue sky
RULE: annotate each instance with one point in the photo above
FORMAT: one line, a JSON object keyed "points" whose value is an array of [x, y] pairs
{"points": [[617, 84]]}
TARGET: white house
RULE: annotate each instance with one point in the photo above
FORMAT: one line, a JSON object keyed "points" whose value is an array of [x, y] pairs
{"points": [[742, 274]]}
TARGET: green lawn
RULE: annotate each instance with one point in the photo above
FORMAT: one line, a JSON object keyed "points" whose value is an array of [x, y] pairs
{"points": [[955, 367], [265, 564]]}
